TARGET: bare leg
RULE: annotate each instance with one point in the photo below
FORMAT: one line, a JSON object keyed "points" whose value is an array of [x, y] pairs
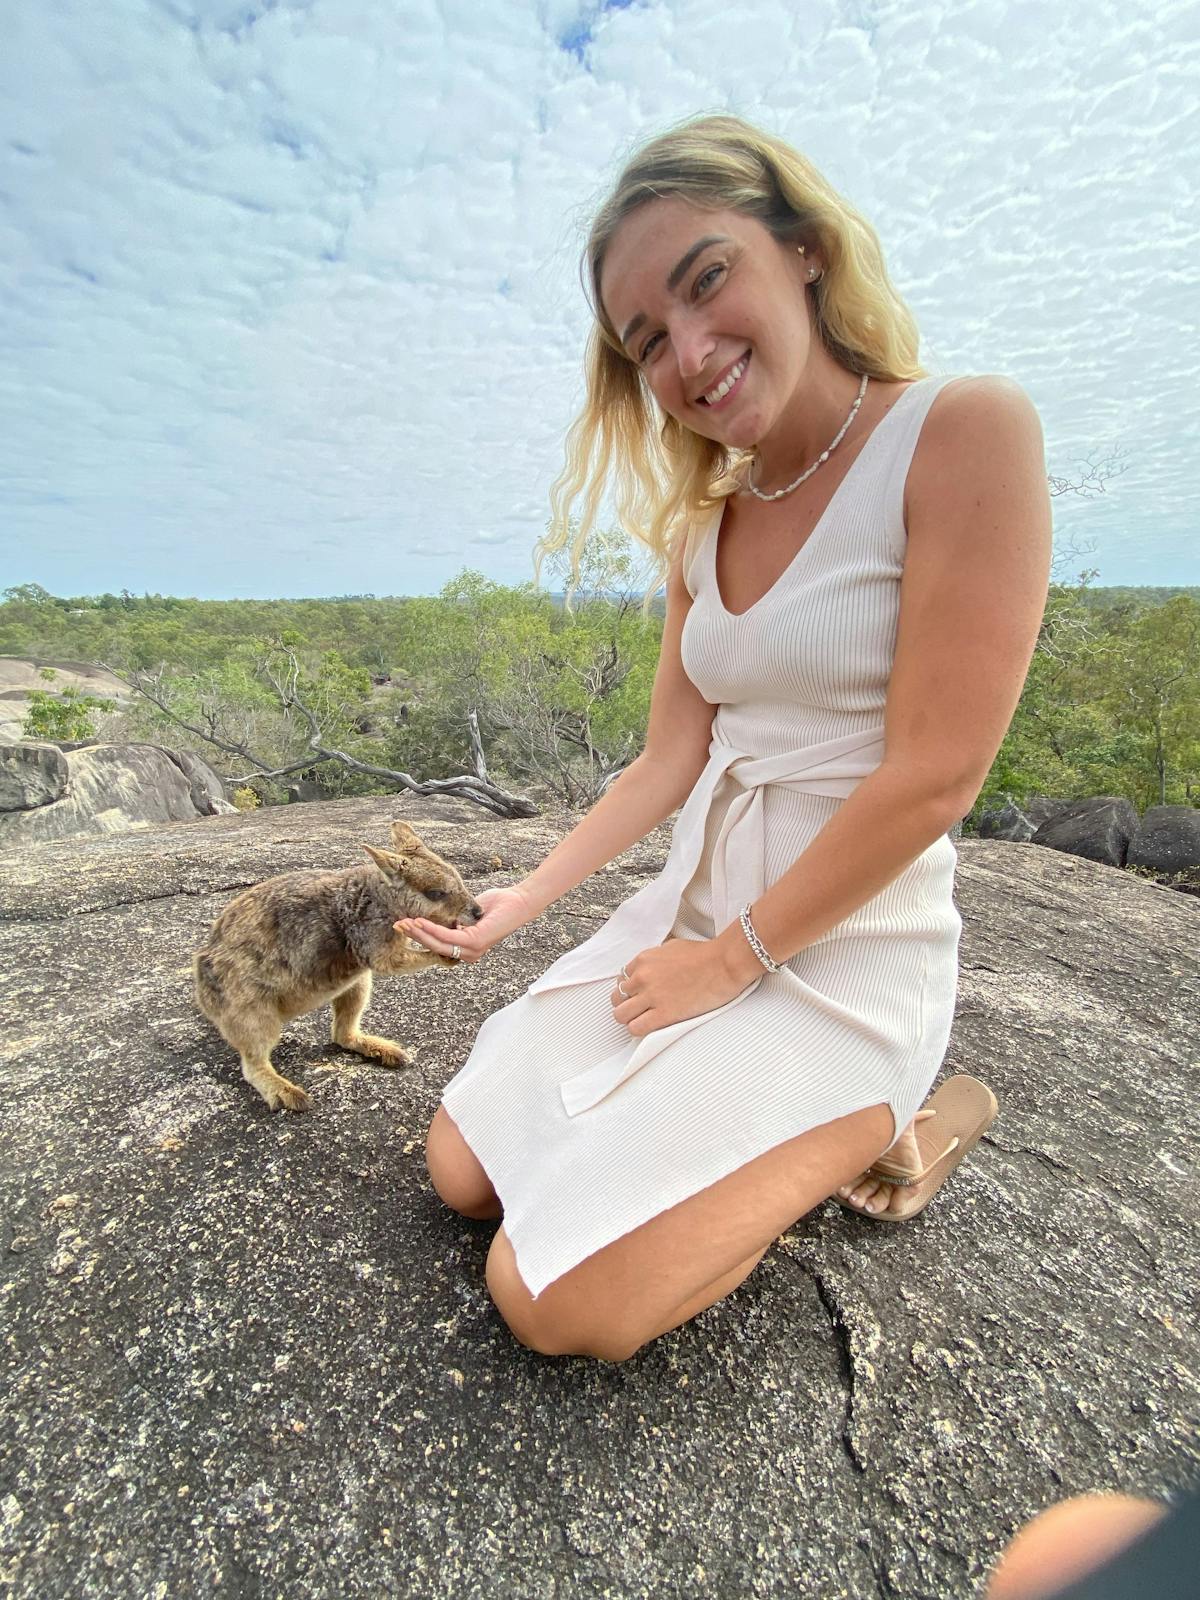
{"points": [[348, 1008], [456, 1172], [711, 1293], [658, 1274]]}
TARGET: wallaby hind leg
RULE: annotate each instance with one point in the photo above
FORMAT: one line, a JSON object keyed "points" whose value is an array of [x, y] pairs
{"points": [[254, 1038], [348, 1008]]}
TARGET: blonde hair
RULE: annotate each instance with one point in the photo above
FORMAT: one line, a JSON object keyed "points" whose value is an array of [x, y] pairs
{"points": [[667, 477]]}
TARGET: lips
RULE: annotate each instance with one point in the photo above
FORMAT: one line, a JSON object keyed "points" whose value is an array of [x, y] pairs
{"points": [[742, 361]]}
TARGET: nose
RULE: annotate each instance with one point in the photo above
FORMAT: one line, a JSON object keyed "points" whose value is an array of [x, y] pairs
{"points": [[693, 348], [474, 911]]}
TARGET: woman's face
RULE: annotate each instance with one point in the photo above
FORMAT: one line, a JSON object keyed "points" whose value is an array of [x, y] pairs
{"points": [[699, 296]]}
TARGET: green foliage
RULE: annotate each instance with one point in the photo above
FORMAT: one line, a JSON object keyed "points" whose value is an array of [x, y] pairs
{"points": [[1111, 705], [561, 697], [66, 715]]}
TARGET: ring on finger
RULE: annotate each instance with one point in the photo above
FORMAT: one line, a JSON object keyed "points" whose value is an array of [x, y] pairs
{"points": [[622, 991], [456, 952], [624, 971]]}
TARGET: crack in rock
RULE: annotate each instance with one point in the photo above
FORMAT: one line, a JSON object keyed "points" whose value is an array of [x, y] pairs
{"points": [[841, 1334]]}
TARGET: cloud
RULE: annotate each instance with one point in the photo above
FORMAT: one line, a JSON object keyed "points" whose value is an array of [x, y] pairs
{"points": [[291, 292]]}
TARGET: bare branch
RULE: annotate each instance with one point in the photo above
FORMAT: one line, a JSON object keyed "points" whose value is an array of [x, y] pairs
{"points": [[150, 686], [476, 788], [1094, 477]]}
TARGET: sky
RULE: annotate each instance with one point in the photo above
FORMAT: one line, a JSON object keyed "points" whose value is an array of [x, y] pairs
{"points": [[289, 289]]}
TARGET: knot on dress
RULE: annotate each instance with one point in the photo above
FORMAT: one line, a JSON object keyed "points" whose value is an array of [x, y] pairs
{"points": [[833, 767]]}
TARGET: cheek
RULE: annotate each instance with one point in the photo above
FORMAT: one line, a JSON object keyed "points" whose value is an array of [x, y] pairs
{"points": [[664, 387]]}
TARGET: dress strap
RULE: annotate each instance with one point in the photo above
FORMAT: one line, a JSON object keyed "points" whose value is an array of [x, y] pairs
{"points": [[902, 445], [702, 529]]}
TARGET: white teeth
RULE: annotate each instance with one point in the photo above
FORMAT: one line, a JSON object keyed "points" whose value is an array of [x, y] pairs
{"points": [[724, 387]]}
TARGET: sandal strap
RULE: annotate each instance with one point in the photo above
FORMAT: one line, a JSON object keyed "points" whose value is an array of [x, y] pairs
{"points": [[910, 1180]]}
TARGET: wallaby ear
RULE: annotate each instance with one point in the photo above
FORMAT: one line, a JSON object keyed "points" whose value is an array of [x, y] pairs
{"points": [[392, 866], [404, 838]]}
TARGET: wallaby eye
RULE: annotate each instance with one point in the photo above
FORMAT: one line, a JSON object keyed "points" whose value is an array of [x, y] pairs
{"points": [[434, 894]]}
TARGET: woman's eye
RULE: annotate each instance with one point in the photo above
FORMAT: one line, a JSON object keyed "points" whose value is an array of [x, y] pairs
{"points": [[702, 282]]}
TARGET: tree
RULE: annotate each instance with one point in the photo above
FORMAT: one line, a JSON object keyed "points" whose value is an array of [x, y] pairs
{"points": [[66, 715], [29, 594], [1152, 691], [308, 711]]}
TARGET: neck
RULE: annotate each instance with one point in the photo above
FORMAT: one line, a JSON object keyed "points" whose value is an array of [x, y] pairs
{"points": [[809, 423]]}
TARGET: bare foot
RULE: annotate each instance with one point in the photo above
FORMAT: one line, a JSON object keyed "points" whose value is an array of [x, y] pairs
{"points": [[870, 1194]]}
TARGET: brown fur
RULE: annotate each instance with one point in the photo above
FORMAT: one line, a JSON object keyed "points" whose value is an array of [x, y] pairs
{"points": [[307, 939]]}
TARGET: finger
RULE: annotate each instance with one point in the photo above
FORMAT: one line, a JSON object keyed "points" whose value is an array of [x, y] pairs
{"points": [[441, 941], [627, 1010]]}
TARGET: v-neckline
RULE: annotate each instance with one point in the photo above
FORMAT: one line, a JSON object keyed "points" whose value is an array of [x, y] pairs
{"points": [[817, 526]]}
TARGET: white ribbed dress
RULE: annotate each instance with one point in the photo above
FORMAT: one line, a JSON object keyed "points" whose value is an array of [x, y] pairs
{"points": [[586, 1132]]}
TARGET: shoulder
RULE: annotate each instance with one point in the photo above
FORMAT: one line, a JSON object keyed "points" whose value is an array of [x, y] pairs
{"points": [[965, 410], [982, 438]]}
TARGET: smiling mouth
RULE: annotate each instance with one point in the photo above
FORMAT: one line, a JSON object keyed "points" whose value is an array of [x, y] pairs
{"points": [[718, 395]]}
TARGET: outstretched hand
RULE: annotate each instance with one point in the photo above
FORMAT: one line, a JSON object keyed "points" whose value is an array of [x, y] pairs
{"points": [[676, 980], [504, 910]]}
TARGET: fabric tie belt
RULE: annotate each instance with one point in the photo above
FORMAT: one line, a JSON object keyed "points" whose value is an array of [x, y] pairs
{"points": [[834, 768]]}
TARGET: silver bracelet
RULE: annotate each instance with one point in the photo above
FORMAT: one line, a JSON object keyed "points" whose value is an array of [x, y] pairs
{"points": [[756, 943]]}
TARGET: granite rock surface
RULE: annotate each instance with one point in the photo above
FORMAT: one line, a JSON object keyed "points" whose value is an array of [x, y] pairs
{"points": [[108, 788], [251, 1354]]}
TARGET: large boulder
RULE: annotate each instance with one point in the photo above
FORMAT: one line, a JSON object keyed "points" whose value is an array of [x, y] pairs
{"points": [[253, 1354], [113, 789], [1168, 840], [31, 775], [1040, 808], [1020, 823], [1098, 828], [207, 787], [1005, 822]]}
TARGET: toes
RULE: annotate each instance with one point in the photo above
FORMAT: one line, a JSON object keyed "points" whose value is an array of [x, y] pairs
{"points": [[868, 1195]]}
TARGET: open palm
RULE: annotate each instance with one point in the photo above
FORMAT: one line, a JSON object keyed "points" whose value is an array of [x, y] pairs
{"points": [[504, 911]]}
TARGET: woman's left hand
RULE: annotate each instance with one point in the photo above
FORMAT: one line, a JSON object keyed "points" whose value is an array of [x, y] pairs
{"points": [[679, 979]]}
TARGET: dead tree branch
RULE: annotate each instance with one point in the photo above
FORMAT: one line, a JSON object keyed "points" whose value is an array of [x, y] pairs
{"points": [[471, 787]]}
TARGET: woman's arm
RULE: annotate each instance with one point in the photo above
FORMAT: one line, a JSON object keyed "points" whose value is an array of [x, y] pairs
{"points": [[971, 602], [651, 787]]}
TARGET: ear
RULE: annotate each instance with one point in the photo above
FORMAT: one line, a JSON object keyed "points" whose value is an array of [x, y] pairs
{"points": [[392, 866], [403, 837]]}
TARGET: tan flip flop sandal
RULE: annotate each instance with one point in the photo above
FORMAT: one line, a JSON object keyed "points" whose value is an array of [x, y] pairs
{"points": [[964, 1110]]}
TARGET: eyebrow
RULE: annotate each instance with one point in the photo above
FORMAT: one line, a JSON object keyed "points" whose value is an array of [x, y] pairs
{"points": [[676, 273]]}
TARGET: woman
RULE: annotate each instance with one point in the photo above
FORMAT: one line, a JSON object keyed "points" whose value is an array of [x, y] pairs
{"points": [[849, 622]]}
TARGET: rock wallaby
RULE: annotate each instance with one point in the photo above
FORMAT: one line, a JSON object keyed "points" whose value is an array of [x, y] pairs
{"points": [[306, 939]]}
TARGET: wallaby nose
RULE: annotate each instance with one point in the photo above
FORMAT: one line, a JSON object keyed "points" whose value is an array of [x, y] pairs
{"points": [[474, 911]]}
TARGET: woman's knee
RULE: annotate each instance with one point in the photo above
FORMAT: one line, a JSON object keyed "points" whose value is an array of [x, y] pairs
{"points": [[456, 1173]]}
